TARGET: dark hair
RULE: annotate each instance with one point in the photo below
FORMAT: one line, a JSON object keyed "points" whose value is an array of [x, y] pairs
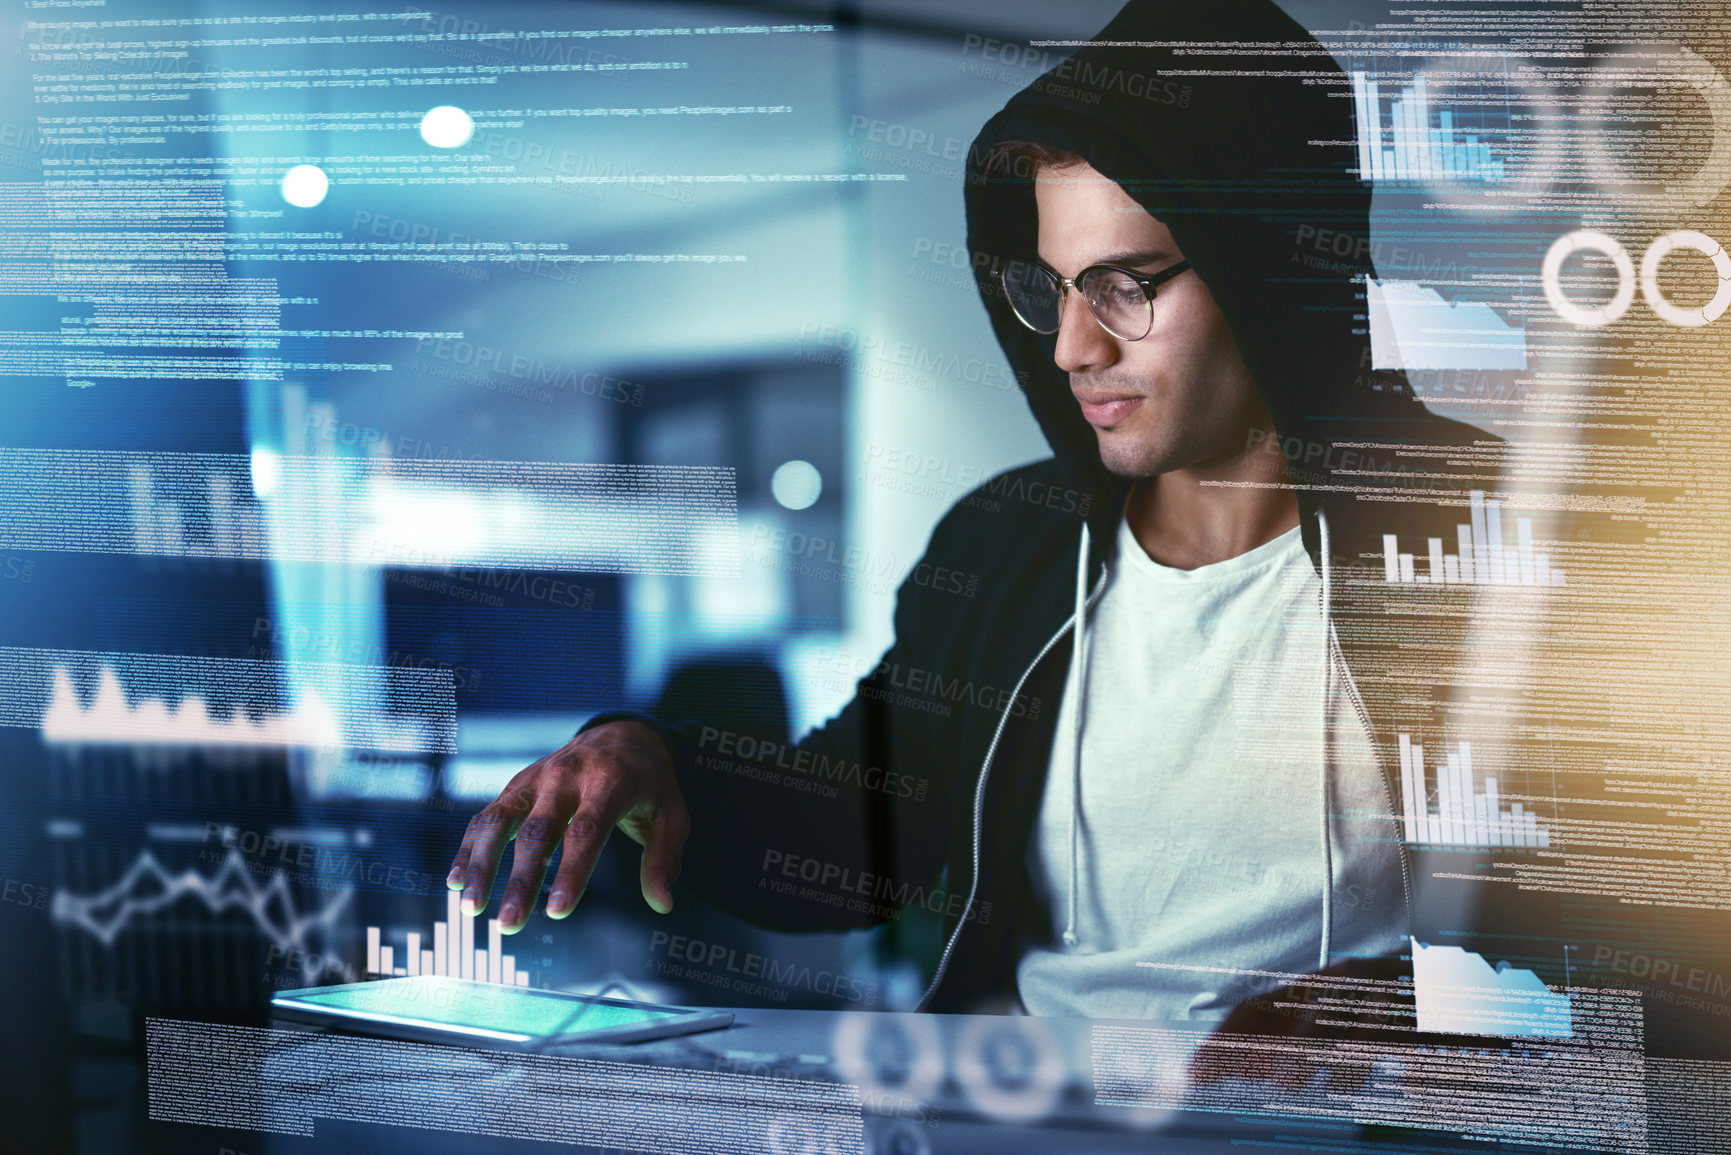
{"points": [[1026, 157]]}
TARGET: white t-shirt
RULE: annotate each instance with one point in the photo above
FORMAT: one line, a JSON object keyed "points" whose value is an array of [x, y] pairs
{"points": [[1204, 735]]}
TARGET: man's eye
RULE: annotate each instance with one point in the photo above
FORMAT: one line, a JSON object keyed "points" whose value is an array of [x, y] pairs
{"points": [[1121, 293]]}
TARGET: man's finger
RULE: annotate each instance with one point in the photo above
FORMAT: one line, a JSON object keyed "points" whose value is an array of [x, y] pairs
{"points": [[460, 861], [488, 834], [511, 802], [535, 841], [584, 839], [662, 856]]}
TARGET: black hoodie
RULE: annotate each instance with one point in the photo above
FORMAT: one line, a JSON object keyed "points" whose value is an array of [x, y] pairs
{"points": [[924, 789]]}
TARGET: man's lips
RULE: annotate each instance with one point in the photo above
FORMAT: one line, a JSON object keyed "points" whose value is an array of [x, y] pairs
{"points": [[1104, 410]]}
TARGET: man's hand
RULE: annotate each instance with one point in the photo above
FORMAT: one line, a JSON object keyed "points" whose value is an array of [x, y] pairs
{"points": [[619, 774]]}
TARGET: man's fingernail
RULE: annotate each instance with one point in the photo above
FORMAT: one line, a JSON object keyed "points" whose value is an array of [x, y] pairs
{"points": [[558, 904], [509, 914], [453, 880], [469, 905]]}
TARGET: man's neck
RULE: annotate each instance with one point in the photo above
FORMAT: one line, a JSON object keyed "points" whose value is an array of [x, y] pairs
{"points": [[1184, 523]]}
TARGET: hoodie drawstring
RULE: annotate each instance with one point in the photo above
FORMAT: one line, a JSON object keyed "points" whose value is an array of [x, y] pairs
{"points": [[1327, 674], [1078, 684]]}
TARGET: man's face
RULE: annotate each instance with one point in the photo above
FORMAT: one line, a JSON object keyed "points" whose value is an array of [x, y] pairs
{"points": [[1180, 397]]}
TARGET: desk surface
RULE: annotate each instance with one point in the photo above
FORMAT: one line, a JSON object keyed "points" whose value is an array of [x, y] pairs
{"points": [[873, 1082]]}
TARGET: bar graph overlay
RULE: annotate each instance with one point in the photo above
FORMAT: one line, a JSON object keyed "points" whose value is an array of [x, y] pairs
{"points": [[1483, 555], [451, 952], [1445, 806], [1412, 142]]}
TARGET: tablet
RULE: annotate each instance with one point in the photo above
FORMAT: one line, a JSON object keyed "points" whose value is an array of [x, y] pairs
{"points": [[434, 1008]]}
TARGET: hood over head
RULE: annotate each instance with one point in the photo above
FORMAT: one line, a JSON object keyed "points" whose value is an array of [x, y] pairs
{"points": [[1232, 126]]}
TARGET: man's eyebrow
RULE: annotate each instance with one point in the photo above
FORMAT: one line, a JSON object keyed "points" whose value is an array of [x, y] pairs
{"points": [[1133, 259], [1139, 257]]}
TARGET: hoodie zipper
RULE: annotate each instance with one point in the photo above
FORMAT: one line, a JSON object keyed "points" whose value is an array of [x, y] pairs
{"points": [[980, 792]]}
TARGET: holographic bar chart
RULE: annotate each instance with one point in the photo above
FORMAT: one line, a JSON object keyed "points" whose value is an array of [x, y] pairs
{"points": [[1484, 557], [452, 952], [1411, 145], [1459, 812]]}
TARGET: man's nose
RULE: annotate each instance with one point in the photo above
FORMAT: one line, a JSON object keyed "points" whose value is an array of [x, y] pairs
{"points": [[1083, 345]]}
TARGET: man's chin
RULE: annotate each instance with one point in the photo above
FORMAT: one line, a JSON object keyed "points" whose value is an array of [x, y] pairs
{"points": [[1130, 458]]}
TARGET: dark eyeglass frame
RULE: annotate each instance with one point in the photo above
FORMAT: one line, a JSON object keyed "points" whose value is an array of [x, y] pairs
{"points": [[1148, 282]]}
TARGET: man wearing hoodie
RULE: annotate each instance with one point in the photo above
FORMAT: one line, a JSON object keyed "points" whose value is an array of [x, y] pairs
{"points": [[1216, 791]]}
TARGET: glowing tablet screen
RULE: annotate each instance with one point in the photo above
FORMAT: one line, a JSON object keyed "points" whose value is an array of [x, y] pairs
{"points": [[482, 1009]]}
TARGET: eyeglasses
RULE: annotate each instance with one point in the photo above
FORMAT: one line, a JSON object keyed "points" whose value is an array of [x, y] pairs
{"points": [[1120, 299]]}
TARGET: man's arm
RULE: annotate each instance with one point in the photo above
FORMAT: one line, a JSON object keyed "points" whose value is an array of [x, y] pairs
{"points": [[836, 831]]}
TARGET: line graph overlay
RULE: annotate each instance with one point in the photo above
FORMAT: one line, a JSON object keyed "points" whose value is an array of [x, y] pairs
{"points": [[148, 887]]}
